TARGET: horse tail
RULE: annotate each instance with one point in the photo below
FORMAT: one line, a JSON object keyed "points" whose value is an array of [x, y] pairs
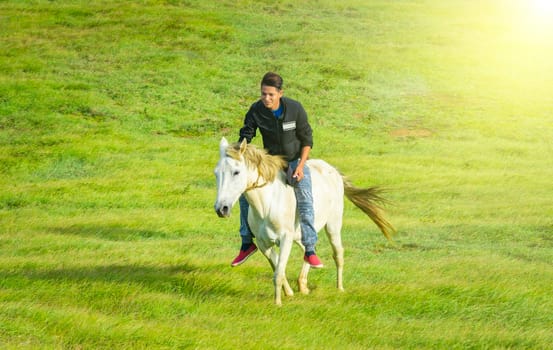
{"points": [[368, 201]]}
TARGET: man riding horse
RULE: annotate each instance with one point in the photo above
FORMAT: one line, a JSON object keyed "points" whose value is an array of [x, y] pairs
{"points": [[286, 132]]}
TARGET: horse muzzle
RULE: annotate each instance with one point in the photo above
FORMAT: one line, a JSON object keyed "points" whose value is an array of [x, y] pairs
{"points": [[223, 211]]}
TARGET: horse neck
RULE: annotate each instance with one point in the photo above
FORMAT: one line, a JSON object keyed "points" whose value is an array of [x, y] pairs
{"points": [[263, 192]]}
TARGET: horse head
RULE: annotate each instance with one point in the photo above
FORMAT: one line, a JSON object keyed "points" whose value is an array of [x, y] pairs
{"points": [[231, 174]]}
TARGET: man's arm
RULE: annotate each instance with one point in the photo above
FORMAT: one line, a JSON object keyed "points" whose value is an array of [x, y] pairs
{"points": [[248, 131], [298, 173]]}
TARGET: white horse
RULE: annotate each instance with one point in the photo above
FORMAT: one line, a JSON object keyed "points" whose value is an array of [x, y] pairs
{"points": [[244, 168]]}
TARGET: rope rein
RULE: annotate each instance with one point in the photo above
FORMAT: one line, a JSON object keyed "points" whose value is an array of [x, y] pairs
{"points": [[256, 183]]}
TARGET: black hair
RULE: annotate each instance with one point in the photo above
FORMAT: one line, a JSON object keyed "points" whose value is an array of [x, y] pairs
{"points": [[272, 79]]}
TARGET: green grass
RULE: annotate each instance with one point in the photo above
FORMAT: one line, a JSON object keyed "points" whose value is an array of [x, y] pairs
{"points": [[110, 117]]}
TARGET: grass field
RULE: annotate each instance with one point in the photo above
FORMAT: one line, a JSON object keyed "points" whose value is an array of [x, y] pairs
{"points": [[110, 118]]}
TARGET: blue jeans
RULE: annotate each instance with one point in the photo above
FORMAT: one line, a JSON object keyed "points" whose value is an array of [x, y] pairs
{"points": [[304, 202]]}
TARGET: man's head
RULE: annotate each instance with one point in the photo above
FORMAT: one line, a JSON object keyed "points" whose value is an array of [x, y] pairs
{"points": [[271, 90]]}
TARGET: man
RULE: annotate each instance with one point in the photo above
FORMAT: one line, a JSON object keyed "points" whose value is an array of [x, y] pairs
{"points": [[285, 131]]}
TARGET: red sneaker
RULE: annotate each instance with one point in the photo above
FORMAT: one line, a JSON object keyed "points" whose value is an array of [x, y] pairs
{"points": [[313, 260], [244, 255]]}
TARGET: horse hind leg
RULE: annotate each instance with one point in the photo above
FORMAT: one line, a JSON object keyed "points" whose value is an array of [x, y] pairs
{"points": [[302, 278], [333, 232]]}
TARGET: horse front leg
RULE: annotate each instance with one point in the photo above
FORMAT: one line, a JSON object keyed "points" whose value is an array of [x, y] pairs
{"points": [[269, 253], [280, 280], [272, 257]]}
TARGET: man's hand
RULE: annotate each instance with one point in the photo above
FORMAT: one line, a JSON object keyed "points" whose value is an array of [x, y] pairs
{"points": [[298, 173]]}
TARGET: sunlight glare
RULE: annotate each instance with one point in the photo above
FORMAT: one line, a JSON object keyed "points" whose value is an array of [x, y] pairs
{"points": [[536, 18], [542, 10]]}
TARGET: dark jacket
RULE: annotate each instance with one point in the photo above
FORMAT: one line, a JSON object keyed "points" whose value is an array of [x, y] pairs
{"points": [[285, 136]]}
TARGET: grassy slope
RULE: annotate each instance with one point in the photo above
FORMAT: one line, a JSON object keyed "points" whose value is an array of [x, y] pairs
{"points": [[110, 116]]}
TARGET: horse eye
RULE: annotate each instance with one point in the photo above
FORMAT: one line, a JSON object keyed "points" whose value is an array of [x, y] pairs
{"points": [[236, 173]]}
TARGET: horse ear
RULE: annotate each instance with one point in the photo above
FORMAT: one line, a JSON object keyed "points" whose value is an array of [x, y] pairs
{"points": [[223, 145], [243, 146]]}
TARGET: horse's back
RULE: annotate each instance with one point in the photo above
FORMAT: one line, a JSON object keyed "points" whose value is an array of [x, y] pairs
{"points": [[325, 174], [328, 192]]}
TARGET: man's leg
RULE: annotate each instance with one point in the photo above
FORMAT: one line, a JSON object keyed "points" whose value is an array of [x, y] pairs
{"points": [[304, 200], [248, 247]]}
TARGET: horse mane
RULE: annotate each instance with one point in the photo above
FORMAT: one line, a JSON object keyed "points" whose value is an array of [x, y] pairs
{"points": [[267, 165]]}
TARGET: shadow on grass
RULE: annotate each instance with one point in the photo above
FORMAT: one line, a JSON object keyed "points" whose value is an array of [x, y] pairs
{"points": [[113, 232], [184, 280]]}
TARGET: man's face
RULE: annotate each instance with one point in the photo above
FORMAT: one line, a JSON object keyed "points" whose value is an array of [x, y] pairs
{"points": [[270, 96]]}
